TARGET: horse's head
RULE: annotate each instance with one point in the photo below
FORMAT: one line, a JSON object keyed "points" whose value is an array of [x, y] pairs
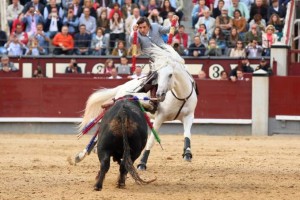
{"points": [[165, 82]]}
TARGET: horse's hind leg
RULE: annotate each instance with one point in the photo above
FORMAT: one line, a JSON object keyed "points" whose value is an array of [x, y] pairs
{"points": [[104, 158], [187, 125]]}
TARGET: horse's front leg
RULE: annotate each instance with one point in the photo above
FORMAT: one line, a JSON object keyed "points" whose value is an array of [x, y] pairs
{"points": [[143, 162], [187, 125]]}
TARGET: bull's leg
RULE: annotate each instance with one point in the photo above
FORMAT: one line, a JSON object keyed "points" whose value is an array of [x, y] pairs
{"points": [[143, 162], [187, 125], [104, 158], [122, 177]]}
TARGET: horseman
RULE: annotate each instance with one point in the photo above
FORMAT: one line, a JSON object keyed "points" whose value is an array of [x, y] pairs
{"points": [[150, 34]]}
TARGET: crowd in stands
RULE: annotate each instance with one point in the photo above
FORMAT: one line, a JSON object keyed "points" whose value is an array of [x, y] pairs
{"points": [[234, 28]]}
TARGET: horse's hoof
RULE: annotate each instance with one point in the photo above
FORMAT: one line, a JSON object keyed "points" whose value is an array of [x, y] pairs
{"points": [[188, 157], [96, 188], [121, 185], [141, 167]]}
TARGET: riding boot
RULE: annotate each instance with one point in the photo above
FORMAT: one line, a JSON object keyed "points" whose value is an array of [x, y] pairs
{"points": [[144, 159], [187, 154]]}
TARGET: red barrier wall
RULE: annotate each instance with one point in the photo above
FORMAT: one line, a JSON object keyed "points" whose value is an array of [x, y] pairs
{"points": [[66, 97], [284, 96]]}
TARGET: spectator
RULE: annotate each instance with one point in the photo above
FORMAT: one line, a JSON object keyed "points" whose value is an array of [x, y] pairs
{"points": [[48, 10], [38, 7], [17, 21], [260, 23], [209, 22], [264, 65], [202, 75], [21, 35], [116, 29], [182, 37], [120, 50], [220, 38], [115, 9], [245, 67], [66, 4], [72, 21], [88, 4], [130, 22], [198, 11], [239, 22], [217, 10], [196, 49], [123, 67], [238, 51], [127, 9], [268, 39], [98, 45], [227, 4], [178, 9], [6, 65], [239, 76], [151, 6], [213, 49], [233, 38], [155, 18], [277, 9], [168, 20], [254, 50], [33, 47], [31, 19], [73, 68], [143, 4], [43, 40], [204, 36], [137, 73], [13, 11], [224, 21], [14, 46], [77, 7], [166, 9], [253, 34], [223, 76], [108, 66], [237, 5], [259, 8], [82, 41], [114, 74], [247, 3], [88, 21], [3, 40], [277, 23], [103, 21], [38, 73], [63, 42], [53, 23]]}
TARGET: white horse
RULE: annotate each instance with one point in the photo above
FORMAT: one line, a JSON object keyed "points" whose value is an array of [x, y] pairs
{"points": [[176, 92]]}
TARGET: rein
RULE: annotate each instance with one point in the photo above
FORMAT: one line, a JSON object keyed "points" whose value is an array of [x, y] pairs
{"points": [[184, 100]]}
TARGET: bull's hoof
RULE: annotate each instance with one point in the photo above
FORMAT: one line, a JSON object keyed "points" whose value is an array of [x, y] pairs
{"points": [[142, 167], [188, 157], [96, 188]]}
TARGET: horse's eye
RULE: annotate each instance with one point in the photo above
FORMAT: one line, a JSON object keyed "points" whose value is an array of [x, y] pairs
{"points": [[170, 76]]}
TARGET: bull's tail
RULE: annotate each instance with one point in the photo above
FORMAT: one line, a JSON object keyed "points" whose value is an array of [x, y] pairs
{"points": [[126, 154], [93, 105]]}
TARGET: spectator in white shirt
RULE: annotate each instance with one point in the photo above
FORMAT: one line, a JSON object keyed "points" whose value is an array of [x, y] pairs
{"points": [[137, 73], [13, 11], [14, 46], [114, 74]]}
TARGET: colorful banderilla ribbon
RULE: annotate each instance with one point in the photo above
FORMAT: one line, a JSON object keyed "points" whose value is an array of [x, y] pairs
{"points": [[172, 31], [134, 51]]}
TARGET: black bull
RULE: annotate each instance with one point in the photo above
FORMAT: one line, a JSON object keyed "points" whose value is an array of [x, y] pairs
{"points": [[123, 135]]}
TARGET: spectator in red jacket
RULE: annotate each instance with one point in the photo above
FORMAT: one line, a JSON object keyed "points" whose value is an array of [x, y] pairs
{"points": [[63, 42]]}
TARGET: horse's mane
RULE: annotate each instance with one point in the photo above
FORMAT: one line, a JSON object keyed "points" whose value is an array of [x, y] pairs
{"points": [[164, 55]]}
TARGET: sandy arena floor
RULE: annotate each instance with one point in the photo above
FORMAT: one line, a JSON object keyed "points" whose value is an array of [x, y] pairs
{"points": [[36, 167]]}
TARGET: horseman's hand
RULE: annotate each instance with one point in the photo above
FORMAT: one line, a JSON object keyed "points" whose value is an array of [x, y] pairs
{"points": [[135, 27], [175, 17]]}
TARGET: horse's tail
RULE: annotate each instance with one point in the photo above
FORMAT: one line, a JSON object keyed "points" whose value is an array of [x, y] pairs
{"points": [[93, 105], [126, 154]]}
